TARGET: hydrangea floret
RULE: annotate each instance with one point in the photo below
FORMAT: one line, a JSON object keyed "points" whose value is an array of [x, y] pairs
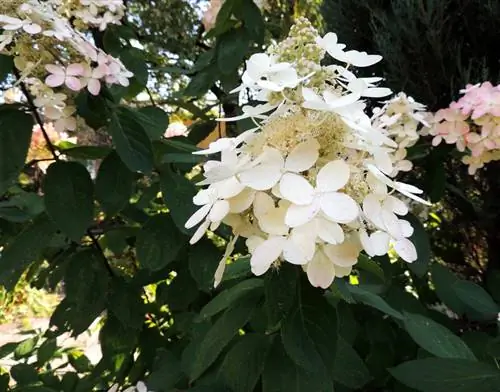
{"points": [[472, 123], [314, 183], [54, 54]]}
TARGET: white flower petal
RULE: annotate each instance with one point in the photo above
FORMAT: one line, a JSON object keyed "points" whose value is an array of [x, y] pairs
{"points": [[395, 205], [228, 188], [273, 221], [406, 250], [340, 271], [333, 176], [339, 207], [261, 177], [344, 255], [406, 228], [391, 223], [298, 215], [200, 231], [266, 253], [296, 189], [198, 216], [253, 242], [219, 210], [380, 243], [296, 251], [329, 232], [320, 271], [242, 201], [204, 196], [303, 156]]}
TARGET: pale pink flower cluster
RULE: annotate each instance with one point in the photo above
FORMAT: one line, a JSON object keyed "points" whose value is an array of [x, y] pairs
{"points": [[472, 123], [100, 13], [77, 63], [210, 15]]}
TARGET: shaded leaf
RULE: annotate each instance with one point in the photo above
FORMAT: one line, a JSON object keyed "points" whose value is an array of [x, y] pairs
{"points": [[435, 338], [69, 199], [114, 184], [440, 374], [159, 242]]}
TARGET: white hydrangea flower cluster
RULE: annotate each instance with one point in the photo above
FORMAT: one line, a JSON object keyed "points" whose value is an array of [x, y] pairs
{"points": [[313, 183], [56, 59]]}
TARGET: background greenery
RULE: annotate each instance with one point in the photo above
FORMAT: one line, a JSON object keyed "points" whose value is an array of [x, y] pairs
{"points": [[124, 254]]}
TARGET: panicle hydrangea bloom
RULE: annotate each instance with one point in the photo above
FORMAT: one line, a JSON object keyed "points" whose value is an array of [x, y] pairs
{"points": [[54, 57], [313, 183], [472, 123]]}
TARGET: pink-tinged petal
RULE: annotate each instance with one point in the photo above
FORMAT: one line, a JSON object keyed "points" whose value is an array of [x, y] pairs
{"points": [[198, 216], [54, 80], [339, 207], [320, 271], [55, 69], [265, 254], [73, 83], [94, 86], [75, 70], [298, 215]]}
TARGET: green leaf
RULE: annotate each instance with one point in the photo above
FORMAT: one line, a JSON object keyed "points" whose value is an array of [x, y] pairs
{"points": [[154, 120], [46, 351], [444, 280], [440, 374], [229, 296], [15, 135], [349, 369], [232, 47], [7, 349], [86, 152], [239, 268], [420, 239], [220, 334], [280, 288], [204, 258], [133, 59], [178, 194], [282, 374], [367, 264], [435, 338], [131, 140], [25, 348], [69, 200], [24, 374], [297, 343], [374, 301], [253, 21], [166, 371], [202, 81], [24, 249], [201, 129], [6, 66], [114, 184], [244, 363], [159, 242], [479, 303]]}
